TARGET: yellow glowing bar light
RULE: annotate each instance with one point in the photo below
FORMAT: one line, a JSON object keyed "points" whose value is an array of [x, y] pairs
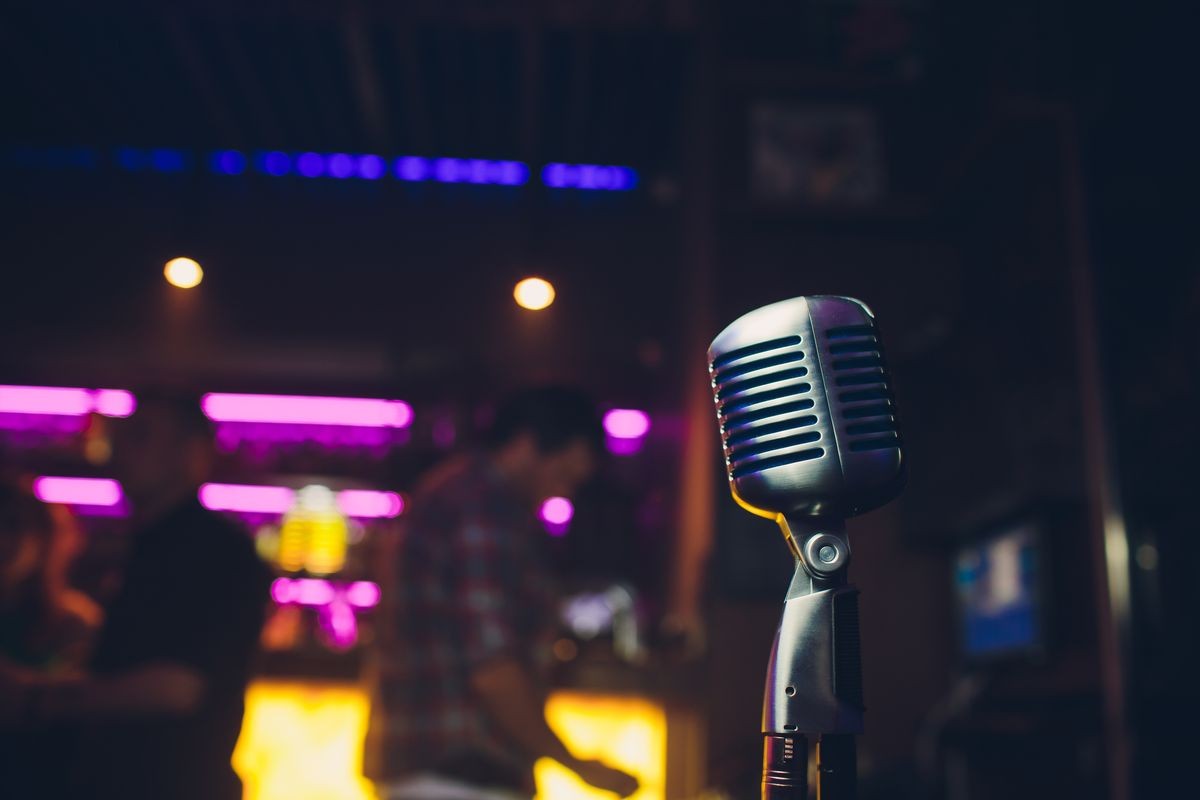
{"points": [[628, 733], [303, 741]]}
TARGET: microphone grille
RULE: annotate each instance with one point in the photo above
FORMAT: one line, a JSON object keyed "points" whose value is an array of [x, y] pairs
{"points": [[763, 389], [805, 408]]}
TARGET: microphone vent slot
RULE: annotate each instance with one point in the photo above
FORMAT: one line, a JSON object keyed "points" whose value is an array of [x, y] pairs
{"points": [[760, 382], [868, 412]]}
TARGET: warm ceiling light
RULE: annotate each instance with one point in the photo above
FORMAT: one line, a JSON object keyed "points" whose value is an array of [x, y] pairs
{"points": [[183, 272], [534, 294]]}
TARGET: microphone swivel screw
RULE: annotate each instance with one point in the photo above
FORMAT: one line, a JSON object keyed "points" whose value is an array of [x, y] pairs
{"points": [[825, 553]]}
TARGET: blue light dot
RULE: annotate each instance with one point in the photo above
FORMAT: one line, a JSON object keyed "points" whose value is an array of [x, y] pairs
{"points": [[446, 170], [130, 158], [411, 168], [555, 175], [310, 165], [166, 159], [371, 167], [276, 163], [341, 165], [229, 162]]}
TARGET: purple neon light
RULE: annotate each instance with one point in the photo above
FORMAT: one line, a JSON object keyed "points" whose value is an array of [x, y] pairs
{"points": [[557, 510], [626, 423], [352, 411], [246, 499], [114, 402], [252, 499], [321, 592], [78, 491], [370, 504], [65, 401], [338, 620]]}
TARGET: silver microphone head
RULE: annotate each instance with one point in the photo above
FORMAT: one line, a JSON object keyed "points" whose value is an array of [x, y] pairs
{"points": [[807, 418]]}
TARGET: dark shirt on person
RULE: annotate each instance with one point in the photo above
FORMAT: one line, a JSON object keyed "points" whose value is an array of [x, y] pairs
{"points": [[470, 584], [194, 593]]}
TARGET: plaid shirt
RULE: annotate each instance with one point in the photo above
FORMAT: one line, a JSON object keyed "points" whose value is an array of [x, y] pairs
{"points": [[468, 584]]}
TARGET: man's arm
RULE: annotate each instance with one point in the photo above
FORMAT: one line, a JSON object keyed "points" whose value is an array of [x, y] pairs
{"points": [[513, 701]]}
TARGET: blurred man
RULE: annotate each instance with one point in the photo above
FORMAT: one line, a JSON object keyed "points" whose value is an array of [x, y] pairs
{"points": [[459, 713], [162, 708]]}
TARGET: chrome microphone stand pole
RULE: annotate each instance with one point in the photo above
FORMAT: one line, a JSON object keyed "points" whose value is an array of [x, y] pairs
{"points": [[814, 677]]}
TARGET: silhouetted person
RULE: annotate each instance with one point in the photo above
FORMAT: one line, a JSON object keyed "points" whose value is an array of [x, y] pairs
{"points": [[162, 707], [46, 628], [459, 709]]}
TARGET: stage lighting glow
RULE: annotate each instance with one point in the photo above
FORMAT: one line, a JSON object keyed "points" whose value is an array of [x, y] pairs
{"points": [[626, 423], [65, 401], [303, 410], [411, 168], [78, 491], [534, 294], [371, 167], [341, 165], [183, 272], [310, 165]]}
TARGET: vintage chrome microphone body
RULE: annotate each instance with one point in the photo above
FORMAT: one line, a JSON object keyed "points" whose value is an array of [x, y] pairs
{"points": [[810, 437]]}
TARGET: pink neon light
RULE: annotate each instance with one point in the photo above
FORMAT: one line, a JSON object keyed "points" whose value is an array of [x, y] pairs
{"points": [[626, 423], [250, 499], [247, 499], [557, 511], [78, 491], [320, 592], [363, 594], [351, 411], [362, 503], [65, 401], [340, 622], [114, 402]]}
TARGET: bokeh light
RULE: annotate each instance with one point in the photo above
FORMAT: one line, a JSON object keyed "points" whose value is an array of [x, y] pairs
{"points": [[534, 294], [183, 272]]}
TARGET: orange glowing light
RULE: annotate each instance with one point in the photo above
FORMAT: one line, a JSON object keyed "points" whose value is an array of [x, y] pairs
{"points": [[303, 741], [534, 294], [628, 733], [183, 272]]}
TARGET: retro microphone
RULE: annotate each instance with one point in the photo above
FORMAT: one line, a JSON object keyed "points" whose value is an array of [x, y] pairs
{"points": [[808, 426]]}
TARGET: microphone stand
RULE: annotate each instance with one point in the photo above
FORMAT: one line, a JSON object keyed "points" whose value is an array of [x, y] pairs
{"points": [[814, 677]]}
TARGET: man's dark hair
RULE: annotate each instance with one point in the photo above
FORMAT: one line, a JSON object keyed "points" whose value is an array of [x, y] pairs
{"points": [[554, 415]]}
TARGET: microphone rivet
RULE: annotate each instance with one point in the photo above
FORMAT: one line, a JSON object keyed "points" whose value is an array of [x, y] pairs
{"points": [[828, 554]]}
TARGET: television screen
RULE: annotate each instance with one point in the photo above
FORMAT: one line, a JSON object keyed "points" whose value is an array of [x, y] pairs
{"points": [[998, 590]]}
